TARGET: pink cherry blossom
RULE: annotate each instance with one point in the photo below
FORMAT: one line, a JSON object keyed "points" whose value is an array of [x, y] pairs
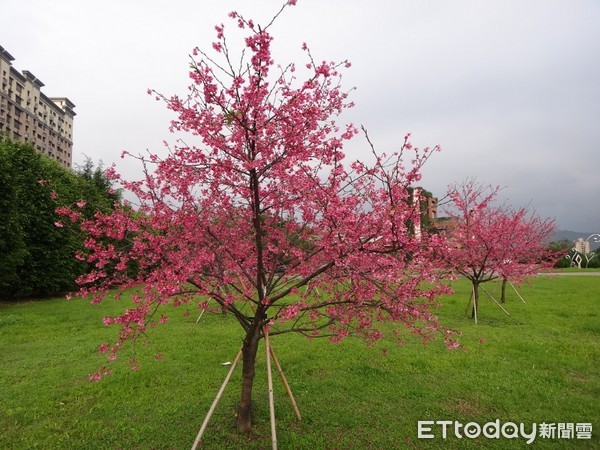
{"points": [[260, 215], [488, 242], [103, 348]]}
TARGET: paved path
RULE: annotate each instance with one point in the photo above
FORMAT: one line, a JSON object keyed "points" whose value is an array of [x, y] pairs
{"points": [[569, 274]]}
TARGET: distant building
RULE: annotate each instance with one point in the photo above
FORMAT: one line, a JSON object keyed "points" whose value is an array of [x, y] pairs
{"points": [[582, 246], [28, 115], [426, 208], [432, 204]]}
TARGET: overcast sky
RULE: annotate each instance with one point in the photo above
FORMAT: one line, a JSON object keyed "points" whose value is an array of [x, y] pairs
{"points": [[509, 88]]}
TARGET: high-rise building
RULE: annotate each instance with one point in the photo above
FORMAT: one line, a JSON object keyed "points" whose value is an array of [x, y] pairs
{"points": [[28, 115], [582, 246]]}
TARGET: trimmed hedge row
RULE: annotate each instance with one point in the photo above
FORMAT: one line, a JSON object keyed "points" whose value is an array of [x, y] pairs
{"points": [[36, 255]]}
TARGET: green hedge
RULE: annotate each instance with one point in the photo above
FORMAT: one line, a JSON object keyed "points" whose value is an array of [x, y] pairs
{"points": [[37, 256]]}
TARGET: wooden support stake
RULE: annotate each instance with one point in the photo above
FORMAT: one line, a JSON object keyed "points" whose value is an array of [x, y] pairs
{"points": [[488, 294], [517, 292], [469, 304], [271, 398], [216, 401], [474, 304], [308, 288], [285, 383]]}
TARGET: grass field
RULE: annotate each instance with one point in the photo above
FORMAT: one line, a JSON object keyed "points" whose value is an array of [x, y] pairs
{"points": [[541, 364]]}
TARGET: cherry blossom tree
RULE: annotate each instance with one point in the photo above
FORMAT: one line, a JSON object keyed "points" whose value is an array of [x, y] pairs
{"points": [[495, 242], [258, 214]]}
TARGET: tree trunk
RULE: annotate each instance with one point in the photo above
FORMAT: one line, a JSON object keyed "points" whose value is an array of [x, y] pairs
{"points": [[503, 294], [249, 351], [475, 300]]}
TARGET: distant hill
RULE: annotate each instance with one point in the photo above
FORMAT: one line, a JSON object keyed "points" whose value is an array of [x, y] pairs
{"points": [[560, 235]]}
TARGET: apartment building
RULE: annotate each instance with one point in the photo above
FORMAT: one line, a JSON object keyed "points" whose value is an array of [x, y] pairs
{"points": [[28, 115], [582, 246]]}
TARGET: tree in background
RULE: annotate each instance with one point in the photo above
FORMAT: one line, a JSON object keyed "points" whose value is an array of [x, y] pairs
{"points": [[37, 255], [98, 185], [527, 246], [563, 247], [491, 242], [595, 261], [262, 218]]}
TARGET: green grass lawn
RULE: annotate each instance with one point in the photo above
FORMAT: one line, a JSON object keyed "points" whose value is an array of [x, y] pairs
{"points": [[541, 364]]}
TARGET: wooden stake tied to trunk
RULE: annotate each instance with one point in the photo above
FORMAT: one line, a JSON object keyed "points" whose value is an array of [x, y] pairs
{"points": [[271, 396], [216, 401], [270, 353]]}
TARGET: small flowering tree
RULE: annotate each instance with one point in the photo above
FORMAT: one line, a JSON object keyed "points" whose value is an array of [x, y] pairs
{"points": [[491, 242], [261, 218]]}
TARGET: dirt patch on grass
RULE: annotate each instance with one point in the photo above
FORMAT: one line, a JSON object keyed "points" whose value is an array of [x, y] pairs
{"points": [[464, 407], [578, 377]]}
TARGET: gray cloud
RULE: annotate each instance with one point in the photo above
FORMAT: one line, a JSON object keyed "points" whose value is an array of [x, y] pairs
{"points": [[510, 89]]}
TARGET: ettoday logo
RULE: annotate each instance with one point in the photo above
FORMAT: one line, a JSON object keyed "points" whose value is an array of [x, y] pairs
{"points": [[429, 429]]}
